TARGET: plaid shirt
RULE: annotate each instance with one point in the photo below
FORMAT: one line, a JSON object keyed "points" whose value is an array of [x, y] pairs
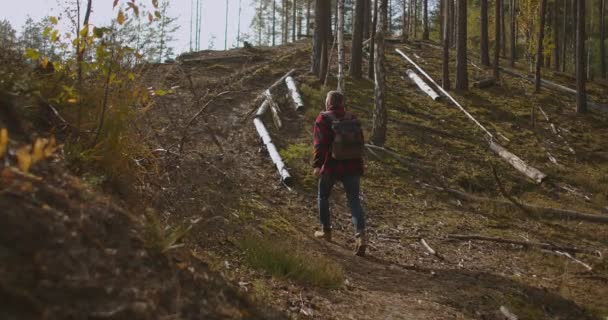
{"points": [[323, 138]]}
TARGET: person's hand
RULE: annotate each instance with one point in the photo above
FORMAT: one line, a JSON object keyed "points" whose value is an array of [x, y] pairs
{"points": [[317, 172]]}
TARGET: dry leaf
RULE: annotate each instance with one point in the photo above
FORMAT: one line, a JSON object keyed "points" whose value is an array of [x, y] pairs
{"points": [[24, 158], [3, 141], [121, 17], [38, 151], [50, 147]]}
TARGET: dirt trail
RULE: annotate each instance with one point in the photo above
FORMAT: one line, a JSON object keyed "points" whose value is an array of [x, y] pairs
{"points": [[398, 280]]}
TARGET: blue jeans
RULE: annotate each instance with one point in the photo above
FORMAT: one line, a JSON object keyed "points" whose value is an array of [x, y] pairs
{"points": [[351, 186]]}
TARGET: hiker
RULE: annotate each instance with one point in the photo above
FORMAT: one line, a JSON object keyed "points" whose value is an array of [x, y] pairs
{"points": [[338, 156]]}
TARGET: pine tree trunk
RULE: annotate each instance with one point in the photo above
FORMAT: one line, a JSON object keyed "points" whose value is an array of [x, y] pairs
{"points": [[294, 14], [485, 55], [356, 55], [452, 22], [503, 30], [441, 19], [340, 36], [372, 53], [563, 42], [539, 48], [497, 37], [404, 31], [513, 45], [308, 2], [389, 19], [462, 76], [556, 50], [274, 22], [321, 38], [581, 93], [378, 136], [425, 33], [603, 39], [416, 19], [446, 44], [367, 18]]}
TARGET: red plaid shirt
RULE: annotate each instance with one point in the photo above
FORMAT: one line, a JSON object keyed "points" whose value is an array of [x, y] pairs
{"points": [[323, 138]]}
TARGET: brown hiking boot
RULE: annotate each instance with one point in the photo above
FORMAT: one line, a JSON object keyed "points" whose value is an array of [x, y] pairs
{"points": [[361, 244], [325, 234]]}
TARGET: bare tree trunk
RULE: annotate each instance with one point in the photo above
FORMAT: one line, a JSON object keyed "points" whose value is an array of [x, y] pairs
{"points": [[416, 19], [503, 32], [446, 44], [603, 39], [404, 31], [513, 34], [372, 53], [321, 38], [539, 52], [340, 36], [367, 18], [80, 59], [378, 136], [225, 28], [556, 50], [497, 38], [389, 18], [425, 32], [356, 55], [308, 2], [238, 29], [564, 45], [294, 14], [441, 19], [485, 55], [452, 22], [462, 75], [274, 22], [581, 93]]}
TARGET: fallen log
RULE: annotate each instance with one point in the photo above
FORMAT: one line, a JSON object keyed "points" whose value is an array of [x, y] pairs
{"points": [[422, 85], [555, 86], [517, 163], [564, 75], [546, 212], [274, 108], [294, 93], [526, 244], [484, 83], [272, 150]]}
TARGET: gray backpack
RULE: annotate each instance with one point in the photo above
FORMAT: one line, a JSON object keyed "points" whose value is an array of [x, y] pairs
{"points": [[348, 137]]}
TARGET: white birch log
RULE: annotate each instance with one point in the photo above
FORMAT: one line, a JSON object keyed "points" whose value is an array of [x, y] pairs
{"points": [[422, 85], [295, 94], [518, 163], [274, 107], [263, 109], [272, 150]]}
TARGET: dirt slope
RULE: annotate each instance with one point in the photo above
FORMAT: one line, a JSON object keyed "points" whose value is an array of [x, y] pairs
{"points": [[223, 178]]}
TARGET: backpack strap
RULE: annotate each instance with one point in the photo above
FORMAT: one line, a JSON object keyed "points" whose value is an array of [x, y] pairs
{"points": [[330, 115]]}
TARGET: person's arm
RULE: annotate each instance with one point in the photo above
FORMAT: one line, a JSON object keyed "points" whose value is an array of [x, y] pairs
{"points": [[322, 138]]}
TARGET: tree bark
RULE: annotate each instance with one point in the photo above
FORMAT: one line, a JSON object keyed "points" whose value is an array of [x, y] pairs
{"points": [[274, 22], [441, 19], [293, 21], [356, 59], [485, 55], [462, 76], [321, 38], [425, 21], [497, 37], [603, 39], [513, 45], [378, 136], [340, 37], [539, 48], [563, 42], [367, 18], [372, 53], [503, 30], [446, 45], [404, 31], [581, 92], [308, 3], [556, 50]]}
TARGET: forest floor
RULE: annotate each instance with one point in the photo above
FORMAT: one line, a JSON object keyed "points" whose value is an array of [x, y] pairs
{"points": [[251, 243]]}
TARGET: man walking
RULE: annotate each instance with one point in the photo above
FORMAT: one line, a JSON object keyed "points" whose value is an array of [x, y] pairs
{"points": [[338, 156]]}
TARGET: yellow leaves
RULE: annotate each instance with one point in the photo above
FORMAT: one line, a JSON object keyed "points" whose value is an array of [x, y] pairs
{"points": [[121, 18], [44, 62], [32, 54], [24, 158], [27, 156], [53, 20], [3, 141]]}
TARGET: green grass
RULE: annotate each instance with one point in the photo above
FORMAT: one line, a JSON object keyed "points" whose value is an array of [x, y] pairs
{"points": [[284, 260]]}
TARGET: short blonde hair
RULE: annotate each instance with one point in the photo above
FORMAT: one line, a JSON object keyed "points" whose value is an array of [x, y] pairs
{"points": [[334, 99]]}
